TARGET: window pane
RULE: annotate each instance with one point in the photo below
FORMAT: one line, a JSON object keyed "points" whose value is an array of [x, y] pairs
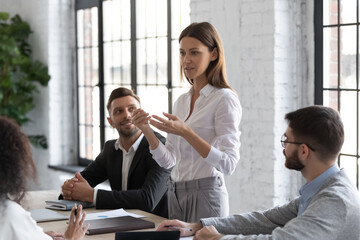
{"points": [[151, 18], [81, 67], [348, 112], [88, 67], [330, 58], [154, 99], [87, 28], [350, 166], [348, 57], [180, 16], [90, 133], [330, 12], [117, 63], [116, 17], [348, 11], [152, 61], [330, 99]]}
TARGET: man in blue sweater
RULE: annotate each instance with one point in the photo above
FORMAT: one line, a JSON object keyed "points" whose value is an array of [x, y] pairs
{"points": [[329, 204]]}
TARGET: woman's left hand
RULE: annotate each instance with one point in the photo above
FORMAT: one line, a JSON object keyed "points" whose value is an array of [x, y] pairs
{"points": [[171, 125]]}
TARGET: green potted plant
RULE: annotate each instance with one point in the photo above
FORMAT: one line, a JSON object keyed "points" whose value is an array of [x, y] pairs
{"points": [[20, 76]]}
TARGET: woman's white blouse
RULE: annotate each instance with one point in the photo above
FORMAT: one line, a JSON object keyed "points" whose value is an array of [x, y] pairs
{"points": [[215, 118], [16, 224]]}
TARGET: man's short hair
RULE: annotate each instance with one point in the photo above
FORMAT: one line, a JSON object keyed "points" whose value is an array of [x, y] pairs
{"points": [[320, 127], [119, 93]]}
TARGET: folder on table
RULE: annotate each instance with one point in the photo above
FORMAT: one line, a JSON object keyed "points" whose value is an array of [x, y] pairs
{"points": [[66, 204], [109, 225], [46, 215]]}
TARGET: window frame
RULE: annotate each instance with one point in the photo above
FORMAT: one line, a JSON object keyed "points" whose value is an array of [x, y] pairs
{"points": [[319, 76], [86, 4]]}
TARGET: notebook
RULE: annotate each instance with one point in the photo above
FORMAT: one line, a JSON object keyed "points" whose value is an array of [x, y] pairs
{"points": [[66, 204], [46, 215], [148, 235], [109, 225]]}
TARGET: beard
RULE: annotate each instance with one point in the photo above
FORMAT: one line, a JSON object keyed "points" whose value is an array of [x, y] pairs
{"points": [[293, 162], [128, 133]]}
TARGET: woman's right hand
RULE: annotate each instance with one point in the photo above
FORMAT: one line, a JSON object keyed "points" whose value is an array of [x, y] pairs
{"points": [[75, 229], [140, 119]]}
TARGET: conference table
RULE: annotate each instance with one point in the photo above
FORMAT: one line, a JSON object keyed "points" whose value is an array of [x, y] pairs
{"points": [[36, 200]]}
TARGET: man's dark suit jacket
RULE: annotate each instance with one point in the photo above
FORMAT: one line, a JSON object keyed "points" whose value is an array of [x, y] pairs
{"points": [[147, 181]]}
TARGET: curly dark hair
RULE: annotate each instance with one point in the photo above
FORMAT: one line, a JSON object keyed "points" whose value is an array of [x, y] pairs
{"points": [[16, 163]]}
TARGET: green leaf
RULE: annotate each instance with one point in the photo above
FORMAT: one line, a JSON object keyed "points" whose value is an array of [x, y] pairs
{"points": [[38, 141], [4, 16]]}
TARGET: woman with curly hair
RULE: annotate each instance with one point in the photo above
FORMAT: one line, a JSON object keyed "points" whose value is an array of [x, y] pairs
{"points": [[16, 167]]}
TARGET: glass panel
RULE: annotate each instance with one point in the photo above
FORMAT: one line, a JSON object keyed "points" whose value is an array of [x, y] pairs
{"points": [[161, 58], [87, 28], [330, 58], [89, 116], [350, 166], [154, 99], [81, 67], [147, 12], [348, 11], [161, 17], [330, 12], [93, 27], [180, 16], [348, 112], [176, 82], [117, 62], [146, 61], [80, 27], [348, 57], [330, 99], [88, 67], [116, 17]]}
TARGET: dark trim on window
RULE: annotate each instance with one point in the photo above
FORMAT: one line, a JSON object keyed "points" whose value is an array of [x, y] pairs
{"points": [[169, 65], [133, 46], [101, 75], [318, 22]]}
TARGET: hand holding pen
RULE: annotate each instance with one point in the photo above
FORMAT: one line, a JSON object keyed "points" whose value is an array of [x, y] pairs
{"points": [[75, 228], [75, 210]]}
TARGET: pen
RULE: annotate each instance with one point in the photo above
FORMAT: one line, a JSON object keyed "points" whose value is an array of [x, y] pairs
{"points": [[178, 228], [75, 209]]}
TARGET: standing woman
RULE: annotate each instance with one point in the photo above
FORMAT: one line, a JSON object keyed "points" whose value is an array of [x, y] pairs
{"points": [[16, 166], [204, 138]]}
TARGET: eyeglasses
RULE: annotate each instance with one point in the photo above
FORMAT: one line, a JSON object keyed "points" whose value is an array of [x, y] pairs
{"points": [[284, 141]]}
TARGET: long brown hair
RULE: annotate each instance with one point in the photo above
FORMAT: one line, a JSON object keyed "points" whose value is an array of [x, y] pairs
{"points": [[207, 34]]}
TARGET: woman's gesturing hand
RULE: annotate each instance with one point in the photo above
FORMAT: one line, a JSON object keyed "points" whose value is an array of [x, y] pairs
{"points": [[171, 125]]}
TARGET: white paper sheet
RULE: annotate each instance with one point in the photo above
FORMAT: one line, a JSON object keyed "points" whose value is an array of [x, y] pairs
{"points": [[110, 214]]}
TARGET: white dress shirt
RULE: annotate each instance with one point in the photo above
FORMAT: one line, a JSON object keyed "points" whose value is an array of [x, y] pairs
{"points": [[16, 223], [215, 118], [127, 160]]}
